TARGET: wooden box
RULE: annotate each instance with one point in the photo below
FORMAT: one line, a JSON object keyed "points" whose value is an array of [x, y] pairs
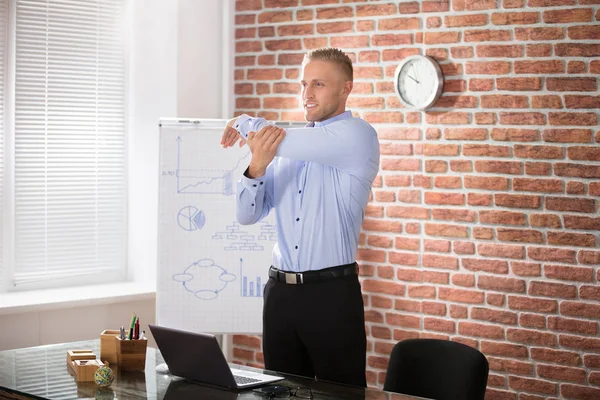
{"points": [[131, 354], [85, 369], [73, 355], [108, 346]]}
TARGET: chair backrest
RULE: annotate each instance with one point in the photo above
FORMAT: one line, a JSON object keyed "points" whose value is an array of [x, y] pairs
{"points": [[437, 369]]}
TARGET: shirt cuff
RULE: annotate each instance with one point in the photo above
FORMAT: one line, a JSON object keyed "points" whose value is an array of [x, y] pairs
{"points": [[254, 185], [243, 125]]}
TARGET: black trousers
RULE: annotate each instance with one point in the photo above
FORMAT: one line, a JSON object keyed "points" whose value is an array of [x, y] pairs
{"points": [[316, 330]]}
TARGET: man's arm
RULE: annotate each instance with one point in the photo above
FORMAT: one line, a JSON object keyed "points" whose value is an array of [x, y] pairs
{"points": [[254, 197], [344, 144]]}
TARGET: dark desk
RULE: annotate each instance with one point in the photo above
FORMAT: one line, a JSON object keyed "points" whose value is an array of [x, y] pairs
{"points": [[41, 373]]}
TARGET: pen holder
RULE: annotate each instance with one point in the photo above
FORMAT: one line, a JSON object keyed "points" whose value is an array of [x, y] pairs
{"points": [[131, 354], [108, 346]]}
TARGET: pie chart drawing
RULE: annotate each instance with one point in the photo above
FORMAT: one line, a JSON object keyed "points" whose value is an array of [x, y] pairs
{"points": [[190, 218]]}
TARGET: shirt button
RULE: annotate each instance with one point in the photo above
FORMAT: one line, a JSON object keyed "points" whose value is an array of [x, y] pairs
{"points": [[299, 191], [252, 204], [297, 219], [261, 183], [254, 185], [296, 247]]}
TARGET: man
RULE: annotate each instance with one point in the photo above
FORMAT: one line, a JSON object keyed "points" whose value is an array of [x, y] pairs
{"points": [[318, 179]]}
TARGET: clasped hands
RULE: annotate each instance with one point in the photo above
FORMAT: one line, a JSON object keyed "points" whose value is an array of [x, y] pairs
{"points": [[263, 145]]}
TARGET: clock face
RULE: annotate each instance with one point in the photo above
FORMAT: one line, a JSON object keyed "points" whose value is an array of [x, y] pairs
{"points": [[418, 82]]}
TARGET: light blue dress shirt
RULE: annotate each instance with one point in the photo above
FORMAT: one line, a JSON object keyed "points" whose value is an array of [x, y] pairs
{"points": [[319, 185]]}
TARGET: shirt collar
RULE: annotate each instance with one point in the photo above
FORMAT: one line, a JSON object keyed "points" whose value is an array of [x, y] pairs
{"points": [[339, 117]]}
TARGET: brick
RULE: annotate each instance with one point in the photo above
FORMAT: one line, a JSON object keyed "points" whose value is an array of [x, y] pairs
{"points": [[539, 152], [499, 167], [504, 101], [335, 12], [591, 361], [501, 250], [373, 10], [522, 118], [488, 67], [488, 183], [576, 67], [392, 39], [379, 225], [446, 230], [510, 366], [421, 291], [280, 102], [479, 199], [572, 239], [436, 166], [567, 135], [463, 247], [438, 261], [503, 349], [570, 204], [550, 3], [465, 134], [464, 280], [582, 102], [577, 170], [551, 254], [502, 217], [577, 222], [584, 153], [549, 289], [538, 50], [572, 325], [412, 24], [460, 295], [454, 215], [405, 321], [404, 258], [531, 337], [390, 288], [537, 168], [247, 19], [465, 5], [270, 17], [532, 304], [578, 342], [458, 311], [480, 330], [444, 198], [314, 43], [579, 392], [538, 185], [567, 15], [483, 233], [515, 134], [491, 315], [584, 32], [539, 67], [486, 265], [461, 165], [335, 27], [481, 85], [575, 187], [576, 50], [532, 385], [439, 246], [519, 84], [525, 268], [582, 84], [539, 34], [589, 257], [532, 321], [556, 356], [556, 372], [517, 201], [580, 309], [439, 325], [501, 284]]}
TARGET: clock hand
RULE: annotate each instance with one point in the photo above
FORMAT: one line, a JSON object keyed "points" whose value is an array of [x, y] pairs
{"points": [[413, 79]]}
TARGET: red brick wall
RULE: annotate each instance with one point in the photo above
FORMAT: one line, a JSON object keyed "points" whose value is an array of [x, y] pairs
{"points": [[484, 226]]}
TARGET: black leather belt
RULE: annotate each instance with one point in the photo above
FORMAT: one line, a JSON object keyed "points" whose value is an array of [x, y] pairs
{"points": [[320, 275]]}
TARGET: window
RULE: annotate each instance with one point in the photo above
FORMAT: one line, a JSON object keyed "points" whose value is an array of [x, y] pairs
{"points": [[63, 185]]}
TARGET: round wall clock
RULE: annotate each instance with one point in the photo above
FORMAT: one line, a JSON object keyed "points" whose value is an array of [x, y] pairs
{"points": [[418, 82]]}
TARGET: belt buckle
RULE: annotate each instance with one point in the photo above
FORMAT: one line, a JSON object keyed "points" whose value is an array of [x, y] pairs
{"points": [[292, 278]]}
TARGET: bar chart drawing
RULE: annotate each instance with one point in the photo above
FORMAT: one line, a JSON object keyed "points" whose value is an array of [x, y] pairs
{"points": [[204, 180], [248, 287]]}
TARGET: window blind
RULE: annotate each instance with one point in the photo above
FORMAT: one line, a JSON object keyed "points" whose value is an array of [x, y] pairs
{"points": [[3, 57], [70, 185]]}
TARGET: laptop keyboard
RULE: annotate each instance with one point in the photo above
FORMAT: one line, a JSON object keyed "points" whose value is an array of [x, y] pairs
{"points": [[241, 380]]}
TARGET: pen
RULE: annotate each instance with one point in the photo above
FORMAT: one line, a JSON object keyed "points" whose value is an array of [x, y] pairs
{"points": [[137, 329], [133, 318]]}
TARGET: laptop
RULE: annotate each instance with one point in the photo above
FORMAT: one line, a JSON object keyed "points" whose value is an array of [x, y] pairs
{"points": [[198, 357]]}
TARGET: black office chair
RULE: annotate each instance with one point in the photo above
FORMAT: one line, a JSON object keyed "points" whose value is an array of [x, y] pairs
{"points": [[437, 369]]}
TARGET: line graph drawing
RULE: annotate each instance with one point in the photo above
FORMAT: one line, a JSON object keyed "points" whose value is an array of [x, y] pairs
{"points": [[189, 218], [205, 180], [204, 279], [243, 240], [250, 288]]}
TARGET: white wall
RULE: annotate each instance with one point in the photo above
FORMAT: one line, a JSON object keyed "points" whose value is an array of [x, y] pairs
{"points": [[176, 70]]}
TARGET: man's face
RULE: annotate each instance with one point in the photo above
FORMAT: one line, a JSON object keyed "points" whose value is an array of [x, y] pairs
{"points": [[324, 90]]}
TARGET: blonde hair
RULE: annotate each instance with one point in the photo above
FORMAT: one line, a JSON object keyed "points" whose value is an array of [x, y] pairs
{"points": [[335, 56]]}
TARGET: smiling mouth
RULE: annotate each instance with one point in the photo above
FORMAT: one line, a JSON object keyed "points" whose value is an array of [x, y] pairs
{"points": [[309, 106]]}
